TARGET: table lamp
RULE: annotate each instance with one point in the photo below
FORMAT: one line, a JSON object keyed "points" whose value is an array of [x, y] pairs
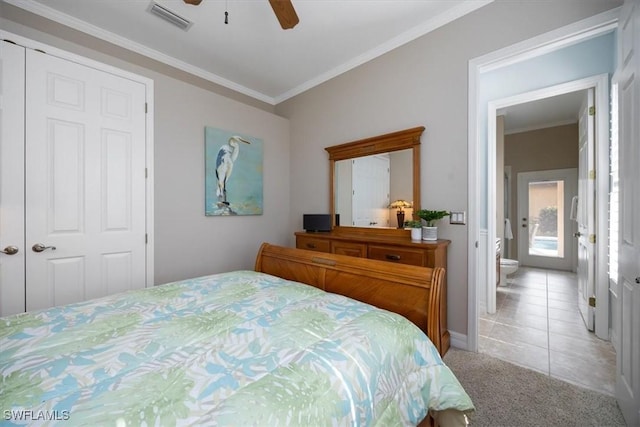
{"points": [[400, 205]]}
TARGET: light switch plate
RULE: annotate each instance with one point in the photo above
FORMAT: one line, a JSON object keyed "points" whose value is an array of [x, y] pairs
{"points": [[458, 217]]}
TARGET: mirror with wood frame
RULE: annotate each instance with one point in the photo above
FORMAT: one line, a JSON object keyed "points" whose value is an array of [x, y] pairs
{"points": [[367, 205]]}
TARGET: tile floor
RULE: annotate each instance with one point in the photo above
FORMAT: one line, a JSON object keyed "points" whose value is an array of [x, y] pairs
{"points": [[537, 325]]}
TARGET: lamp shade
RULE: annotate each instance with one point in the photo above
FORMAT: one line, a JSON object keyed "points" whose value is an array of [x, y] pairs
{"points": [[400, 204]]}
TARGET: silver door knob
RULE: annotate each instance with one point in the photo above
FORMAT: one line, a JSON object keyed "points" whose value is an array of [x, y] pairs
{"points": [[39, 247], [10, 250]]}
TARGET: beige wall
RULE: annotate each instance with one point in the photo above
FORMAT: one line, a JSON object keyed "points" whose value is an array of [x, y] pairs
{"points": [[421, 83], [538, 150], [188, 244]]}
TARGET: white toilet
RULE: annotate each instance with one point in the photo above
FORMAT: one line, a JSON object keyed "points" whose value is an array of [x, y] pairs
{"points": [[507, 266]]}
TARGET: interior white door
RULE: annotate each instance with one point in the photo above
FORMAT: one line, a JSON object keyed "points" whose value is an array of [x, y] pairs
{"points": [[371, 183], [586, 212], [12, 75], [544, 227], [628, 352], [84, 183]]}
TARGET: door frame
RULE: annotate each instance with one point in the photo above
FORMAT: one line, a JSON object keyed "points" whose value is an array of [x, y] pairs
{"points": [[149, 126], [481, 248]]}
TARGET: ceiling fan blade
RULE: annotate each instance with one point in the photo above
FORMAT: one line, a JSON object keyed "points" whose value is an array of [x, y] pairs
{"points": [[193, 2], [285, 13]]}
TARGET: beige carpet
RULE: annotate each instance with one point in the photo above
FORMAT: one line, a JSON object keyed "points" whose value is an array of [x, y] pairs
{"points": [[506, 395]]}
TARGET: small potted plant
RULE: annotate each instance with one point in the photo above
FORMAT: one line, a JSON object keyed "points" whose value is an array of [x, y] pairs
{"points": [[430, 231], [416, 229]]}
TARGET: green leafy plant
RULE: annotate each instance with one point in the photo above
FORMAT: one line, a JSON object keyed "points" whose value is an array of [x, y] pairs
{"points": [[430, 217], [548, 219], [413, 224]]}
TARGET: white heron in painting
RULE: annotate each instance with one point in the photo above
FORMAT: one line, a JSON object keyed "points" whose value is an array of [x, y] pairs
{"points": [[227, 154]]}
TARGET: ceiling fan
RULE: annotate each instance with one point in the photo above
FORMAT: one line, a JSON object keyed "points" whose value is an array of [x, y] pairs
{"points": [[283, 9]]}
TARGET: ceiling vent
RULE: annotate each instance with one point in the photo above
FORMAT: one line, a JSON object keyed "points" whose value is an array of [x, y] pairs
{"points": [[169, 16]]}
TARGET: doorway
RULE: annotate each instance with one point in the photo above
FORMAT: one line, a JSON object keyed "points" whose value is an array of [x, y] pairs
{"points": [[496, 68], [480, 160], [599, 273]]}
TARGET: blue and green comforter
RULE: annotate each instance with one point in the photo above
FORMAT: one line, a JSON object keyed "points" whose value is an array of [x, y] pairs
{"points": [[232, 349]]}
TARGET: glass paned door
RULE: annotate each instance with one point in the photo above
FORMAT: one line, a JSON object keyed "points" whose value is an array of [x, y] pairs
{"points": [[545, 229], [546, 205]]}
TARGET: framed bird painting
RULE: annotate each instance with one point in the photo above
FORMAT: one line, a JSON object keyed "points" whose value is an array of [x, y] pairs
{"points": [[233, 173]]}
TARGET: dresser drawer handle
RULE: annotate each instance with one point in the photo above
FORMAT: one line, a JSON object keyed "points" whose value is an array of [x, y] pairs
{"points": [[392, 257], [311, 245]]}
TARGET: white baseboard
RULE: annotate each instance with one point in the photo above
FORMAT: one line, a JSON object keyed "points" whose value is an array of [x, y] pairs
{"points": [[459, 340]]}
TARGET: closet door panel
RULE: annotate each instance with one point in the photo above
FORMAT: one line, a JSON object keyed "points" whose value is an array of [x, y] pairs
{"points": [[85, 182]]}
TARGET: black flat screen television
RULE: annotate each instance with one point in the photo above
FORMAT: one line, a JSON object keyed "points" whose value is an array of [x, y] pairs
{"points": [[318, 222]]}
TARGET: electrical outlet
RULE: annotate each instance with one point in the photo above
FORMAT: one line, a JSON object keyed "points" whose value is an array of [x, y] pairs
{"points": [[458, 218]]}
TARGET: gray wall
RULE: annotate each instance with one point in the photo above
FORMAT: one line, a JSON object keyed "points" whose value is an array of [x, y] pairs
{"points": [[421, 83], [188, 244]]}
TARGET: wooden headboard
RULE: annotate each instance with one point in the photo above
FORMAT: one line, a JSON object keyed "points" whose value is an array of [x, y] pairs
{"points": [[413, 292]]}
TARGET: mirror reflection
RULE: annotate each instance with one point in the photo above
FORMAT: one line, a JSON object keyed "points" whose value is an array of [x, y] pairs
{"points": [[364, 187]]}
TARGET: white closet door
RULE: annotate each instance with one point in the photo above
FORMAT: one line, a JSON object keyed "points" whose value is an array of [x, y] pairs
{"points": [[85, 182], [12, 299], [628, 351]]}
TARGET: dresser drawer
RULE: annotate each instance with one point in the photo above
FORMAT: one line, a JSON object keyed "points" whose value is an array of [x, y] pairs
{"points": [[349, 248], [313, 244], [397, 254]]}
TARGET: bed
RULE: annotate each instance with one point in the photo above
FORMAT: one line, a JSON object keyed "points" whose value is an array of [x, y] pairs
{"points": [[243, 348]]}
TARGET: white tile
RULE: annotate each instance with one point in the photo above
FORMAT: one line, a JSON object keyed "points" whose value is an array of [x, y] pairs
{"points": [[538, 325]]}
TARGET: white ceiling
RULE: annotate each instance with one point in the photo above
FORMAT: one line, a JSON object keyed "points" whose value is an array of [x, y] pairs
{"points": [[252, 54], [554, 111]]}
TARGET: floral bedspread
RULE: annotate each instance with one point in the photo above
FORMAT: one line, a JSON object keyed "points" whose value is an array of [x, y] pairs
{"points": [[232, 349]]}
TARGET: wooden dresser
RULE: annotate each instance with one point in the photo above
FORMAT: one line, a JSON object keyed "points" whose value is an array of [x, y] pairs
{"points": [[398, 248]]}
